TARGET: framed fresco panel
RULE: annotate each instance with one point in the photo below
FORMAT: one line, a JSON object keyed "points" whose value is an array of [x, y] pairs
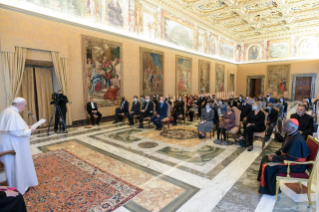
{"points": [[278, 49], [204, 76], [102, 71], [183, 75], [152, 72], [220, 78], [278, 78], [226, 50], [177, 32]]}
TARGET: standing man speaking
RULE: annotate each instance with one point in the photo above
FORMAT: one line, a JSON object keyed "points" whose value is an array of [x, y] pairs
{"points": [[15, 135]]}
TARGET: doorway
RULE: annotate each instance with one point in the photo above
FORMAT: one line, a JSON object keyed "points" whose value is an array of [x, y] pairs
{"points": [[303, 88], [303, 85], [255, 85]]}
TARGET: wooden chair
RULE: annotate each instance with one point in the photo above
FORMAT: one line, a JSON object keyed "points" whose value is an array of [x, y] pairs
{"points": [[167, 119], [306, 176], [137, 117], [3, 178], [234, 130], [262, 134], [123, 114], [88, 119]]}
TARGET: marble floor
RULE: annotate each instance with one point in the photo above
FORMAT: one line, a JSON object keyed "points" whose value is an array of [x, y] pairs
{"points": [[176, 170]]}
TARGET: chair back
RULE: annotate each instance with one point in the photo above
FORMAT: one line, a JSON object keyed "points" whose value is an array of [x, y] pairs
{"points": [[185, 107], [266, 116], [314, 149], [237, 115]]}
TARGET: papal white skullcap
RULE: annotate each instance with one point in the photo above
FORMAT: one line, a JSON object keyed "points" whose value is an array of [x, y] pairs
{"points": [[18, 100]]}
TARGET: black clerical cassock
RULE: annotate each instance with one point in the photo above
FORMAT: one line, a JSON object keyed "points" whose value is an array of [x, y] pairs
{"points": [[294, 148], [12, 204]]}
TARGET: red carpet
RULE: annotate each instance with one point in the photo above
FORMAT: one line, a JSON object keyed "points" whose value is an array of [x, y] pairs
{"points": [[68, 183]]}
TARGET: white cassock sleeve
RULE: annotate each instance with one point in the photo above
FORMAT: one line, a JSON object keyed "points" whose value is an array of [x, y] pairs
{"points": [[20, 133]]}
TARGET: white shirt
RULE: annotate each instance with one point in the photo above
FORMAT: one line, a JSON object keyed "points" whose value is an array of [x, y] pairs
{"points": [[92, 105]]}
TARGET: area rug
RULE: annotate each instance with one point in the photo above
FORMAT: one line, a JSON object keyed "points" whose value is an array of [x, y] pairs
{"points": [[68, 183]]}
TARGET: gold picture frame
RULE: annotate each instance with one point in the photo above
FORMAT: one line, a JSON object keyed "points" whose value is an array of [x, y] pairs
{"points": [[183, 73]]}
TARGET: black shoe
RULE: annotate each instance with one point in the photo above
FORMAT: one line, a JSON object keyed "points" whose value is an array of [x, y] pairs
{"points": [[174, 124], [98, 124], [130, 124], [140, 127], [115, 122], [157, 128]]}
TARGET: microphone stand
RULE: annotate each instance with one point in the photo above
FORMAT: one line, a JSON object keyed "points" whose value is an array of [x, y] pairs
{"points": [[31, 116]]}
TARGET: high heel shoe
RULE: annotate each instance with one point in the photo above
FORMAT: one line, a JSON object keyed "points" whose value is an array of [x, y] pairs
{"points": [[250, 148]]}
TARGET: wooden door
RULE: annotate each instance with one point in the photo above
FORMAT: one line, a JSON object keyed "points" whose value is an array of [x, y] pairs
{"points": [[252, 87], [303, 88], [258, 88]]}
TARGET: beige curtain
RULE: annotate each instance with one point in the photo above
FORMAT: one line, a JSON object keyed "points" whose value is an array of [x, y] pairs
{"points": [[61, 68], [27, 91], [43, 78], [13, 68]]}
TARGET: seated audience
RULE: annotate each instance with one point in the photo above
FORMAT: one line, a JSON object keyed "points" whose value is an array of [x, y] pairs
{"points": [[271, 120], [279, 106], [285, 106], [308, 109], [248, 100], [245, 110], [92, 110], [161, 113], [11, 201], [223, 107], [268, 99], [193, 109], [168, 101], [240, 98], [142, 99], [294, 148], [147, 110], [255, 123], [206, 124], [232, 102], [135, 110], [262, 102], [122, 109], [178, 109], [227, 123], [155, 100], [305, 121], [202, 100]]}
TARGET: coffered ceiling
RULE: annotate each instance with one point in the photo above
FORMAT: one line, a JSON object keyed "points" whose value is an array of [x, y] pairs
{"points": [[247, 20]]}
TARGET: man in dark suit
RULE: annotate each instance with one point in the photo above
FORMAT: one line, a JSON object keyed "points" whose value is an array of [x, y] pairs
{"points": [[271, 119], [136, 107], [268, 99], [305, 121], [245, 110], [62, 101], [239, 102], [161, 114], [92, 109], [155, 100], [232, 102], [122, 109], [147, 110], [178, 109]]}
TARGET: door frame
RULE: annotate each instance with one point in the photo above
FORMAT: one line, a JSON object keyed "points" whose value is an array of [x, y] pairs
{"points": [[262, 77], [313, 84]]}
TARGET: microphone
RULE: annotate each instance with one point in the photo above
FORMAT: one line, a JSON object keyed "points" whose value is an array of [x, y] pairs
{"points": [[31, 115]]}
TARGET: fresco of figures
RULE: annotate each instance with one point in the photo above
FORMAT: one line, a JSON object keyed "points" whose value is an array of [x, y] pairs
{"points": [[278, 78], [152, 72], [220, 78], [183, 75], [204, 76], [102, 71]]}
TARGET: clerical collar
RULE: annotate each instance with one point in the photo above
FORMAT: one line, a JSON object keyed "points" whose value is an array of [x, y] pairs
{"points": [[292, 133], [14, 108]]}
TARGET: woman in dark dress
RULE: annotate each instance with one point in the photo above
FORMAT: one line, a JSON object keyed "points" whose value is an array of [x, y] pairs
{"points": [[255, 123], [11, 201]]}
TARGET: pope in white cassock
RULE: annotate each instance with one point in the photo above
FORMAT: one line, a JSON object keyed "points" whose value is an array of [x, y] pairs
{"points": [[14, 135]]}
